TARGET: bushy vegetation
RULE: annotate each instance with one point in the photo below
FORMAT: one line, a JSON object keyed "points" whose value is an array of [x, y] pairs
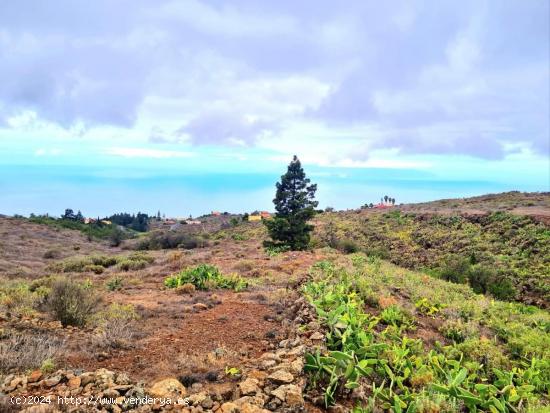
{"points": [[508, 371], [501, 254], [19, 298], [116, 325], [206, 277], [97, 229], [169, 240], [71, 302], [98, 263], [138, 222], [26, 351]]}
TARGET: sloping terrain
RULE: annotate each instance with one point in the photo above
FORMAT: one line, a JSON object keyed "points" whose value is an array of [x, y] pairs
{"points": [[238, 341], [26, 248], [503, 253]]}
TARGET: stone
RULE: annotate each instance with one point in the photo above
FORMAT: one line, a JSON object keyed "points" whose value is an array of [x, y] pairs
{"points": [[281, 376], [200, 306], [197, 398], [196, 387], [284, 343], [258, 375], [74, 382], [52, 381], [8, 379], [169, 387], [86, 378], [122, 379], [249, 387], [252, 408], [297, 366], [317, 336], [290, 394], [34, 376], [13, 384], [270, 356], [123, 388], [257, 400], [207, 403], [279, 393], [229, 407], [111, 393], [294, 396], [266, 364], [274, 403], [297, 351], [313, 325]]}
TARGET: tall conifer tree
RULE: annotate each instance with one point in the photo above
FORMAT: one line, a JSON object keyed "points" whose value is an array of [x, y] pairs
{"points": [[295, 205]]}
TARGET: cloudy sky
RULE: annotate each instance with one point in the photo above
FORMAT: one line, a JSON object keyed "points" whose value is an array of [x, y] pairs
{"points": [[189, 105]]}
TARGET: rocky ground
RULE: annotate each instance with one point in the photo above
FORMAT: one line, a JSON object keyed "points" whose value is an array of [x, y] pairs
{"points": [[207, 351], [271, 382], [215, 350]]}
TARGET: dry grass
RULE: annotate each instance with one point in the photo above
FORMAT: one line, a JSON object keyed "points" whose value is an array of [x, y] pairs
{"points": [[27, 350]]}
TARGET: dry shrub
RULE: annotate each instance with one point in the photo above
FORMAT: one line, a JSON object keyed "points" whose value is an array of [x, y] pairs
{"points": [[117, 334], [385, 302], [25, 351], [117, 327], [50, 254], [186, 288], [71, 303], [175, 256], [213, 361], [244, 266]]}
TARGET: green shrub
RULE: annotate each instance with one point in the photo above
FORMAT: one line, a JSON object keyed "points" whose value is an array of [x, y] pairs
{"points": [[127, 265], [205, 277], [480, 277], [502, 289], [104, 261], [96, 269], [455, 270], [424, 306], [395, 316], [71, 303], [135, 261], [114, 284], [348, 246], [457, 330], [95, 263], [274, 250], [17, 298], [403, 375], [141, 256], [169, 240]]}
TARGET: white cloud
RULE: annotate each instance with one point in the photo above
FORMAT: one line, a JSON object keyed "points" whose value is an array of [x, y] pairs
{"points": [[227, 20], [146, 153]]}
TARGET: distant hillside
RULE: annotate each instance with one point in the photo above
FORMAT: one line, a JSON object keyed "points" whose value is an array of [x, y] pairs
{"points": [[27, 247], [535, 204], [498, 243]]}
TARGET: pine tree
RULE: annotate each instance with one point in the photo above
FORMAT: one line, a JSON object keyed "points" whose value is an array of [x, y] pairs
{"points": [[295, 205]]}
